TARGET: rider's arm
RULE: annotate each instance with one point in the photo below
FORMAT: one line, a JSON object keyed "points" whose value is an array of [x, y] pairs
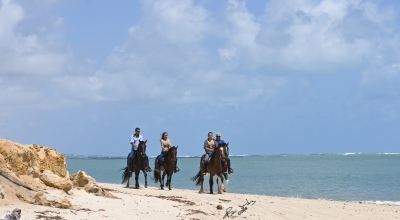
{"points": [[140, 139], [162, 146], [133, 142]]}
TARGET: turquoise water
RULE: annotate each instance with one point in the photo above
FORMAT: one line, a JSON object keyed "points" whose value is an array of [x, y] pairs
{"points": [[346, 177]]}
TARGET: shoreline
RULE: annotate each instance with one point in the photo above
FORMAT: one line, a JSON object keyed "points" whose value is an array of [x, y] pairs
{"points": [[153, 203], [206, 186]]}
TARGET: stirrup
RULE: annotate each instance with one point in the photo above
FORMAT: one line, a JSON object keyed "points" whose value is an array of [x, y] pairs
{"points": [[230, 171], [176, 169]]}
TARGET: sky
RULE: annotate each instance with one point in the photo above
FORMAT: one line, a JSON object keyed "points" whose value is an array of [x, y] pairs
{"points": [[273, 76]]}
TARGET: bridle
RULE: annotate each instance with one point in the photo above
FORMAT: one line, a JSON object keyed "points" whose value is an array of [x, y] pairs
{"points": [[142, 145]]}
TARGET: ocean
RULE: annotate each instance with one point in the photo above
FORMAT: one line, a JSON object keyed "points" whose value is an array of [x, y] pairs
{"points": [[362, 177]]}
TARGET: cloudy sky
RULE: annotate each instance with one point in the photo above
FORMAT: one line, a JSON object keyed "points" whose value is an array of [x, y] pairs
{"points": [[274, 77]]}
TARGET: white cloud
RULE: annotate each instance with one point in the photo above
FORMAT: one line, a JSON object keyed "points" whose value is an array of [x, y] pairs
{"points": [[181, 52], [28, 60], [24, 54]]}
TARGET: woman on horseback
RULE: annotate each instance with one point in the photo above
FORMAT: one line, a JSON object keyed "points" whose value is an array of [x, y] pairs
{"points": [[165, 146]]}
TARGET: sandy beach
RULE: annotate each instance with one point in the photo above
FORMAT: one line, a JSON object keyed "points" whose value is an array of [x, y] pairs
{"points": [[34, 179], [153, 203]]}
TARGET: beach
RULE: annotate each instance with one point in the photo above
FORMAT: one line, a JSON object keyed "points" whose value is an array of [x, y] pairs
{"points": [[42, 188], [153, 203]]}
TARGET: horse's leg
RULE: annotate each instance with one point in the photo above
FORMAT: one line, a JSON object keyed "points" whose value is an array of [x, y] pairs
{"points": [[137, 179], [167, 183], [145, 178], [219, 183], [211, 181], [225, 189], [159, 180], [130, 175], [162, 180], [201, 175], [169, 180]]}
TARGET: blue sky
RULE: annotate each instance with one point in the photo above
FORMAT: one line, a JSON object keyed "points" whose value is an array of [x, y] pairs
{"points": [[274, 77]]}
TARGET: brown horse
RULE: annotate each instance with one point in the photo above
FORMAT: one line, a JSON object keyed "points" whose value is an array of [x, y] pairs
{"points": [[136, 165], [214, 168], [167, 167]]}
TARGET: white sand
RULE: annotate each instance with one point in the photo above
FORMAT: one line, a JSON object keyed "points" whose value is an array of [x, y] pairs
{"points": [[153, 203]]}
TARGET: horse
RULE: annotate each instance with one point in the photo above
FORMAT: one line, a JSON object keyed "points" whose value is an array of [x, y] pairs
{"points": [[214, 168], [167, 167], [136, 165]]}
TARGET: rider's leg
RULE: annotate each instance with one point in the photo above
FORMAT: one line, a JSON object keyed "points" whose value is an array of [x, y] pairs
{"points": [[230, 170], [148, 169], [176, 166], [159, 158], [208, 154], [133, 151]]}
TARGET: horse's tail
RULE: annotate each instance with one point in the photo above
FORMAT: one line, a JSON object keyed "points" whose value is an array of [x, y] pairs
{"points": [[125, 175], [156, 177], [197, 178]]}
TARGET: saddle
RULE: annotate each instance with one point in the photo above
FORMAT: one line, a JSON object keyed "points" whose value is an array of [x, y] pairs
{"points": [[202, 158], [206, 164]]}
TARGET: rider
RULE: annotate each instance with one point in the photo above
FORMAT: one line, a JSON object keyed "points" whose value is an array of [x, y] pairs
{"points": [[165, 146], [219, 141], [135, 140], [209, 145]]}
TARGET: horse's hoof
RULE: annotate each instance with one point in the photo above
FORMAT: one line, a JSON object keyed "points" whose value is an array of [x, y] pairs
{"points": [[224, 190], [145, 186]]}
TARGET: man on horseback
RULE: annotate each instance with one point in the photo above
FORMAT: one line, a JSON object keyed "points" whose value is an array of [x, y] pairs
{"points": [[219, 141], [165, 146], [209, 145], [135, 140]]}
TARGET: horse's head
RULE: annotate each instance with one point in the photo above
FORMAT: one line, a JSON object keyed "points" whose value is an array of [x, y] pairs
{"points": [[226, 145], [221, 151], [142, 147], [173, 152]]}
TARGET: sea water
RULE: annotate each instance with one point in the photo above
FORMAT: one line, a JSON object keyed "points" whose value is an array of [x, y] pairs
{"points": [[345, 177]]}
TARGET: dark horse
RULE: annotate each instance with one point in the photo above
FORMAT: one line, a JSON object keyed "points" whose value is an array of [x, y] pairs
{"points": [[214, 168], [167, 167], [136, 165]]}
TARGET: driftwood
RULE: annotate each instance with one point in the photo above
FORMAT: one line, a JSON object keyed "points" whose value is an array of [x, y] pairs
{"points": [[14, 180]]}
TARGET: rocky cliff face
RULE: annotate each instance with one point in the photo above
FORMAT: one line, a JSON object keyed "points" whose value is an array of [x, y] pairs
{"points": [[28, 169], [31, 160]]}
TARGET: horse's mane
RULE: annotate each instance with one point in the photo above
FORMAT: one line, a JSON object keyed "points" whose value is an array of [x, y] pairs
{"points": [[169, 150], [219, 145], [142, 146], [222, 144]]}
